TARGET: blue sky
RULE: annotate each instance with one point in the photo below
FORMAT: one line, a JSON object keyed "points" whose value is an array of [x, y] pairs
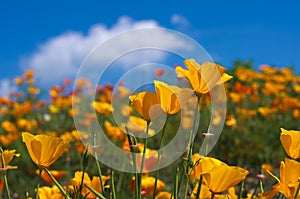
{"points": [[266, 32]]}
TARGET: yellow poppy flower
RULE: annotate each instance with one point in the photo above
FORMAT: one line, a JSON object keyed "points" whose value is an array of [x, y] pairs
{"points": [[146, 104], [94, 183], [291, 142], [114, 132], [55, 173], [231, 121], [221, 178], [206, 193], [150, 161], [50, 193], [44, 150], [203, 77], [8, 155], [102, 107], [163, 195], [172, 98], [18, 81], [9, 138], [289, 177], [9, 127], [203, 165], [123, 91], [137, 125], [148, 185], [289, 180]]}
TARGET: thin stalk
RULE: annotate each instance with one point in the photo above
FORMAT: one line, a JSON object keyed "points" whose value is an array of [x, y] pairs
{"points": [[97, 163], [176, 184], [113, 185], [190, 146], [186, 187], [4, 175], [99, 171], [143, 160], [180, 181], [193, 129], [120, 178], [82, 179], [95, 192], [199, 187], [158, 155], [261, 186], [61, 189], [131, 144], [39, 182], [6, 185], [241, 190]]}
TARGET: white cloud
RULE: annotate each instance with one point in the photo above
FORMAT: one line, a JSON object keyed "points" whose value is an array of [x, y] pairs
{"points": [[6, 87], [61, 56], [179, 20]]}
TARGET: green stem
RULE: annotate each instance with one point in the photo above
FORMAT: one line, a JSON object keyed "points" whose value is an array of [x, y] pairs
{"points": [[99, 172], [131, 144], [186, 187], [97, 163], [297, 192], [143, 160], [176, 184], [4, 174], [180, 181], [81, 183], [61, 189], [241, 190], [158, 155], [190, 147], [6, 185], [113, 185], [95, 192], [39, 182], [199, 187], [193, 129], [261, 186]]}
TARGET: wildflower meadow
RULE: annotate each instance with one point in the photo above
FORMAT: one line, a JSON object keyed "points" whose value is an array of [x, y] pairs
{"points": [[47, 154]]}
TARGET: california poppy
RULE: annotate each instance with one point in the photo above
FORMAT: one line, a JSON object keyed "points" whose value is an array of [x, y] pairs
{"points": [[289, 177], [55, 173], [172, 98], [203, 165], [163, 195], [148, 185], [146, 104], [50, 192], [44, 150], [102, 107], [94, 183], [221, 178], [8, 155], [291, 142], [203, 77]]}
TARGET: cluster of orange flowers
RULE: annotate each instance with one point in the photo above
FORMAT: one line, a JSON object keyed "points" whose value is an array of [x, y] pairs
{"points": [[48, 133], [267, 93]]}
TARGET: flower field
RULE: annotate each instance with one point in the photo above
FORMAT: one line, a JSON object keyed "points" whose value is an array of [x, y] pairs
{"points": [[45, 155]]}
